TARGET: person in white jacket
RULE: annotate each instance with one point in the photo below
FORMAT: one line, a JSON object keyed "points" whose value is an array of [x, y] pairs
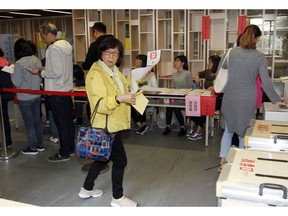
{"points": [[58, 76]]}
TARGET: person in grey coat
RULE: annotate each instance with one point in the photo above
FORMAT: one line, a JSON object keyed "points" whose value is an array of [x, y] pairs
{"points": [[29, 104], [240, 94]]}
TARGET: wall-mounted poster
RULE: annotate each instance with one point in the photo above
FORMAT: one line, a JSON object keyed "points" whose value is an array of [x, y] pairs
{"points": [[7, 45]]}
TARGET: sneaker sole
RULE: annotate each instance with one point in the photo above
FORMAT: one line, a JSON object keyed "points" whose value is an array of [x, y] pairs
{"points": [[62, 160], [117, 205], [40, 150], [194, 139], [29, 153], [86, 197]]}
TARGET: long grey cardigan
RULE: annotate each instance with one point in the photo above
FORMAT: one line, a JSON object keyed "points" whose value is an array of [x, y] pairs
{"points": [[240, 95]]}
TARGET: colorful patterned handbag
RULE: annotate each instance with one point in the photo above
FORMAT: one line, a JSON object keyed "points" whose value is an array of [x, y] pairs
{"points": [[94, 143]]}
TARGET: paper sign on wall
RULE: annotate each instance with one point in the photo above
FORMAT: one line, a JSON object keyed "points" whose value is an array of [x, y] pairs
{"points": [[242, 22], [205, 27]]}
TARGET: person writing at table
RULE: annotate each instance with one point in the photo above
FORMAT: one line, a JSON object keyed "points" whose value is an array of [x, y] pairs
{"points": [[104, 80], [209, 76], [181, 79], [150, 80]]}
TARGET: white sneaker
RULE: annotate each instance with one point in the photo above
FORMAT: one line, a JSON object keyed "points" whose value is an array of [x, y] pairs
{"points": [[86, 194], [123, 202], [55, 140]]}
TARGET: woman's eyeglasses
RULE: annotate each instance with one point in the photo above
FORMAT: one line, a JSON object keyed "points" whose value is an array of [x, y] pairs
{"points": [[113, 53]]}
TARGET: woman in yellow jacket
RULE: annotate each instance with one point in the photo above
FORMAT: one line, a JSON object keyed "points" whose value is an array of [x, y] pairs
{"points": [[104, 80]]}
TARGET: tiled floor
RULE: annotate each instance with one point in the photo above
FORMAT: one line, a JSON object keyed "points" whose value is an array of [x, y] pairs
{"points": [[161, 171]]}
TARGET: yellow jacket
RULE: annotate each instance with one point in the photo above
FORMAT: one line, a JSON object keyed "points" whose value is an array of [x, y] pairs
{"points": [[100, 84]]}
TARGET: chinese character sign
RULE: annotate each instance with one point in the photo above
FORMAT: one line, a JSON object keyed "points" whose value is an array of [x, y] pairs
{"points": [[153, 57], [208, 104], [205, 27], [242, 21], [192, 105]]}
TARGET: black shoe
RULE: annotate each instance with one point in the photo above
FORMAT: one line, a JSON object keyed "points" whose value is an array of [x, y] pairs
{"points": [[167, 131], [29, 151], [143, 130], [86, 168], [39, 148], [58, 158], [182, 132]]}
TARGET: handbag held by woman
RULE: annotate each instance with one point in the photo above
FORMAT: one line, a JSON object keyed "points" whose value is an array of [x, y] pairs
{"points": [[222, 76], [94, 143]]}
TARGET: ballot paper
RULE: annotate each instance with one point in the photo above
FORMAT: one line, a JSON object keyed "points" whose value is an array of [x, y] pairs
{"points": [[9, 69], [153, 58], [136, 74], [141, 102]]}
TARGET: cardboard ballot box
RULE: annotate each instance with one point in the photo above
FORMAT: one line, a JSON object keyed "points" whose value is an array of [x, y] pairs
{"points": [[253, 178], [275, 112], [267, 135]]}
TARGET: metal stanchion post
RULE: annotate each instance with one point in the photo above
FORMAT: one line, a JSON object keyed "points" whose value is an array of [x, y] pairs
{"points": [[4, 154]]}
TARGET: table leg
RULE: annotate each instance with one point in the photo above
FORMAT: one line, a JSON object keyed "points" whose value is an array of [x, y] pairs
{"points": [[206, 131]]}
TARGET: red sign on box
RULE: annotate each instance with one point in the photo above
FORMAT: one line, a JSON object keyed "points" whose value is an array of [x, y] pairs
{"points": [[208, 104], [205, 27], [242, 22]]}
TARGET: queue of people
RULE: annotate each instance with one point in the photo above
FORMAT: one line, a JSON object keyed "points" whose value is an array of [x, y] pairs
{"points": [[104, 80]]}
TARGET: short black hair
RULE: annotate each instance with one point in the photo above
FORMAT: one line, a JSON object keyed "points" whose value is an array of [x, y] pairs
{"points": [[100, 27], [33, 46], [22, 49], [143, 58], [111, 43]]}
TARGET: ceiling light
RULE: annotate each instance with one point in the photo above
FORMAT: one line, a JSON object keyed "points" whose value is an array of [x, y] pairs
{"points": [[26, 14], [8, 17], [56, 11]]}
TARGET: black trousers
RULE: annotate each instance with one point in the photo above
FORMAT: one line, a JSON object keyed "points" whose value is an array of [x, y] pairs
{"points": [[6, 123], [198, 120], [178, 113], [136, 116], [119, 159], [61, 107]]}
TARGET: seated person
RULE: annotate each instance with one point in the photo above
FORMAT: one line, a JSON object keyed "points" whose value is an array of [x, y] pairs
{"points": [[150, 80], [209, 75], [181, 79]]}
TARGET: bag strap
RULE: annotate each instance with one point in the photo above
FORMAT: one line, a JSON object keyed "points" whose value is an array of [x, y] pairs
{"points": [[226, 56], [94, 114]]}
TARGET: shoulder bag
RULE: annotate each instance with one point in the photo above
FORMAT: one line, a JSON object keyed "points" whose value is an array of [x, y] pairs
{"points": [[222, 76], [94, 143]]}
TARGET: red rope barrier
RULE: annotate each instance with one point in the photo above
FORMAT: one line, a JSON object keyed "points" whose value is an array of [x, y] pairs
{"points": [[77, 94]]}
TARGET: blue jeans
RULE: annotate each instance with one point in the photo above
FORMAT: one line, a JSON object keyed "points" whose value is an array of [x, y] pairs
{"points": [[30, 111], [226, 142]]}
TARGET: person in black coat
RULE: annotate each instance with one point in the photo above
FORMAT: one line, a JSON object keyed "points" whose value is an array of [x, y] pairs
{"points": [[5, 82]]}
